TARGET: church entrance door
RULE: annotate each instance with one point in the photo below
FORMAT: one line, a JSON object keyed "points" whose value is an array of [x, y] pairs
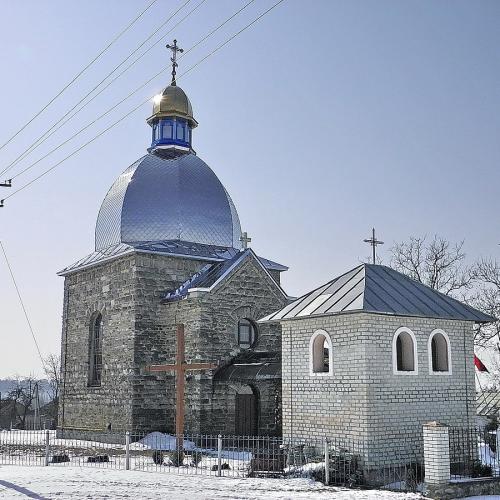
{"points": [[246, 415]]}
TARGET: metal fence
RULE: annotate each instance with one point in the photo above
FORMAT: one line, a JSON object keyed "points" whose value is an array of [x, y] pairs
{"points": [[222, 456], [474, 452]]}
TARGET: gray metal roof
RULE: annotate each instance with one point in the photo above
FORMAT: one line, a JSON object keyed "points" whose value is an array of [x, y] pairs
{"points": [[212, 274], [378, 289], [167, 199], [210, 253]]}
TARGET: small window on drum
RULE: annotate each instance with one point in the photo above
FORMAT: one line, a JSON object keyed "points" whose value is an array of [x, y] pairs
{"points": [[246, 334], [167, 130], [180, 131]]}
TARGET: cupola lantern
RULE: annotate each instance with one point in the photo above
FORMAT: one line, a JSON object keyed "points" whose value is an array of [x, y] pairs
{"points": [[172, 120]]}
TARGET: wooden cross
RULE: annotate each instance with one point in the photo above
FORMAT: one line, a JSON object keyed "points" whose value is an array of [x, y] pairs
{"points": [[180, 368], [174, 48], [374, 242], [245, 239]]}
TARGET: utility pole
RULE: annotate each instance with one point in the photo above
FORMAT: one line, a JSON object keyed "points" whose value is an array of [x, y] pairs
{"points": [[5, 184]]}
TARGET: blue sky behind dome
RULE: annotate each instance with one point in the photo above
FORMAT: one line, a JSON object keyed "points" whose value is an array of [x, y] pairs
{"points": [[324, 119]]}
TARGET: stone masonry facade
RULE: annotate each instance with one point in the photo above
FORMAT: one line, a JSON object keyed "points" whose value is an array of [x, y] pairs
{"points": [[363, 400], [139, 329]]}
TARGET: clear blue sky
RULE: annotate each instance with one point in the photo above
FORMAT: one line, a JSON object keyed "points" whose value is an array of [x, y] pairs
{"points": [[324, 119]]}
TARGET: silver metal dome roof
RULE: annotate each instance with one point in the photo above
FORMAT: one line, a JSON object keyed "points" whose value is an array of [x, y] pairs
{"points": [[168, 199]]}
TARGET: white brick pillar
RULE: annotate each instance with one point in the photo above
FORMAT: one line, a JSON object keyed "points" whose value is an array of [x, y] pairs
{"points": [[436, 453]]}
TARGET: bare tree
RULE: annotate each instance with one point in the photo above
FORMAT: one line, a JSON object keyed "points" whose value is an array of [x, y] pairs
{"points": [[22, 396], [52, 368], [487, 298], [441, 265], [438, 264]]}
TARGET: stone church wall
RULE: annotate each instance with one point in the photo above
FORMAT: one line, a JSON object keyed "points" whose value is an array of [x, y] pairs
{"points": [[140, 329], [109, 289], [211, 321], [268, 393], [363, 399], [127, 292], [155, 338]]}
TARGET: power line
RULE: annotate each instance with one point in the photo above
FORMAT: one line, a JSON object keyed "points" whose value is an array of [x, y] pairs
{"points": [[233, 37], [113, 41], [50, 131], [22, 304], [121, 101], [219, 47]]}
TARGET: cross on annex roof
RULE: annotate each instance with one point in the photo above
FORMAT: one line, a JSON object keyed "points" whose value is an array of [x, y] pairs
{"points": [[174, 48], [180, 368], [374, 243]]}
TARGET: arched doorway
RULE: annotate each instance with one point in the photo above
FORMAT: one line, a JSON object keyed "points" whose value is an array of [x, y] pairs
{"points": [[246, 411]]}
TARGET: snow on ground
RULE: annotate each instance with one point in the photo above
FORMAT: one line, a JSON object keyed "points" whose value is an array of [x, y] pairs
{"points": [[44, 483]]}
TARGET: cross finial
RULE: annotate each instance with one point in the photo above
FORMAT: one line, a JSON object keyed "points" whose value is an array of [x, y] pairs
{"points": [[245, 240], [374, 243], [174, 48]]}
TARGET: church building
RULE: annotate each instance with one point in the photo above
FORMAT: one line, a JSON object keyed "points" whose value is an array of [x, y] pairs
{"points": [[171, 280], [370, 357]]}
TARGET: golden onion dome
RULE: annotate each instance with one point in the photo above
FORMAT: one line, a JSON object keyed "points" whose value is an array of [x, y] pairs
{"points": [[173, 101]]}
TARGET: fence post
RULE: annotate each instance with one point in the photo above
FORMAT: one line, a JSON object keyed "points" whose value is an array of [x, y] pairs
{"points": [[497, 451], [219, 455], [327, 463], [127, 450], [47, 448], [436, 454]]}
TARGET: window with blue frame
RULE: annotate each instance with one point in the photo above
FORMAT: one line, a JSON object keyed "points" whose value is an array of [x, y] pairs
{"points": [[180, 131], [167, 130]]}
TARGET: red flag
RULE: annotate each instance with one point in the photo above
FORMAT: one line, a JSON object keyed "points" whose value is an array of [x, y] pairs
{"points": [[480, 365]]}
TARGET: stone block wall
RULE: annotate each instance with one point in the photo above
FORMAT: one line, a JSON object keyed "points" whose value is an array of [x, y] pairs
{"points": [[363, 399], [211, 321], [319, 406], [223, 419], [127, 292], [155, 336], [401, 403], [139, 330], [108, 289]]}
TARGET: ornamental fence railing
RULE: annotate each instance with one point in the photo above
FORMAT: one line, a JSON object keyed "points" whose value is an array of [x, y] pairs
{"points": [[336, 461], [474, 452]]}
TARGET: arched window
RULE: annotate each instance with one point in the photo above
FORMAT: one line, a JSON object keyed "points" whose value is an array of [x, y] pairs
{"points": [[404, 352], [246, 333], [95, 351], [439, 352], [320, 354]]}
